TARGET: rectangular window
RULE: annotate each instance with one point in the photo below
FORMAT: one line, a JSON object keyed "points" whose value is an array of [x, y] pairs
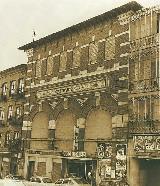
{"points": [[44, 67], [10, 111], [84, 57], [1, 115], [93, 51], [4, 89], [101, 51], [76, 57], [16, 135], [38, 68], [49, 65], [110, 48], [7, 138], [13, 87], [21, 86], [18, 112], [63, 61]]}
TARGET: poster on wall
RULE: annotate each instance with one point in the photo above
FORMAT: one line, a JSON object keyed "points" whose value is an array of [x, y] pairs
{"points": [[108, 150], [105, 169], [121, 163], [104, 150], [100, 150]]}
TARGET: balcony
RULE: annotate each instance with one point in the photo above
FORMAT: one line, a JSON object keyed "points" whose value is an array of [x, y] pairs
{"points": [[2, 123], [146, 85], [143, 126], [14, 145], [145, 42], [15, 121], [3, 98], [18, 95]]}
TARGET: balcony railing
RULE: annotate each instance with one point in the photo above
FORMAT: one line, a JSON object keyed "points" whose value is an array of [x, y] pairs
{"points": [[145, 85], [14, 145], [145, 42], [3, 98], [15, 120], [143, 126]]}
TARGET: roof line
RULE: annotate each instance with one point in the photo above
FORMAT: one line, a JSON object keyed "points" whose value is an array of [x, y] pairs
{"points": [[18, 67], [133, 5]]}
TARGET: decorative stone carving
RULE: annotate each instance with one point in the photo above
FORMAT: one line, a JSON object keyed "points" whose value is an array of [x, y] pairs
{"points": [[79, 87], [27, 125], [124, 18], [52, 124], [53, 104], [82, 100], [29, 52], [144, 11]]}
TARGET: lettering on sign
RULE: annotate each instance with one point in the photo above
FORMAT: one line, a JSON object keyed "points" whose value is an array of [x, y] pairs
{"points": [[146, 143], [72, 88], [79, 154]]}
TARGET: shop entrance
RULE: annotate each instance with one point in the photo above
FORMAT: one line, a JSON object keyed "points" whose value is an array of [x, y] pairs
{"points": [[149, 172], [30, 170], [82, 168]]}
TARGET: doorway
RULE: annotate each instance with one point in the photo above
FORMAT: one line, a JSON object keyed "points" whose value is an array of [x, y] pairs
{"points": [[30, 171], [149, 172]]}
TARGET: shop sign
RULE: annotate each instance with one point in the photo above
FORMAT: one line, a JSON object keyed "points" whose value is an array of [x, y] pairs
{"points": [[146, 143], [85, 86], [78, 154]]}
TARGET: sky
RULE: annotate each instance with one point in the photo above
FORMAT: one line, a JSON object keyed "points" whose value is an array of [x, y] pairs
{"points": [[18, 19]]}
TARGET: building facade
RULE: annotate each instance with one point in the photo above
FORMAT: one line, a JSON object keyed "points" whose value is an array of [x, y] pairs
{"points": [[92, 99], [11, 118], [76, 114], [144, 100]]}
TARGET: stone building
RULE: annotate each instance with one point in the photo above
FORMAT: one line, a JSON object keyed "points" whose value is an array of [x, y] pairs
{"points": [[144, 100], [11, 118], [76, 113]]}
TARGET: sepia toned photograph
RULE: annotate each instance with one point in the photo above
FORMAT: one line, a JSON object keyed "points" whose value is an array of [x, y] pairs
{"points": [[79, 93]]}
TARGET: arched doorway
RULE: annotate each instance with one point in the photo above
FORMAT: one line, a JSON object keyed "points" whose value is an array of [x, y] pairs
{"points": [[98, 126], [65, 130], [39, 134]]}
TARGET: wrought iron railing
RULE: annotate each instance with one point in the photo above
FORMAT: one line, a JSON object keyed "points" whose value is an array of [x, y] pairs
{"points": [[145, 42], [143, 126], [145, 85]]}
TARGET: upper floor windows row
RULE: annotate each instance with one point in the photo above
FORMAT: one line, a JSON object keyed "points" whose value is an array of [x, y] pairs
{"points": [[87, 54], [12, 112], [14, 88]]}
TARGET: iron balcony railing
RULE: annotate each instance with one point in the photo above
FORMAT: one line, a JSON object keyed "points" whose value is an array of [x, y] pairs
{"points": [[145, 42], [143, 125], [145, 85]]}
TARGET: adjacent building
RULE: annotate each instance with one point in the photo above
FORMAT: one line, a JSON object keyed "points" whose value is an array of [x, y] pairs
{"points": [[144, 98], [11, 118]]}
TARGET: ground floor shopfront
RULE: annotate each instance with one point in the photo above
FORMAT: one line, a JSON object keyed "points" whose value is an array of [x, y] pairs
{"points": [[10, 163], [57, 166], [144, 160], [109, 163]]}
